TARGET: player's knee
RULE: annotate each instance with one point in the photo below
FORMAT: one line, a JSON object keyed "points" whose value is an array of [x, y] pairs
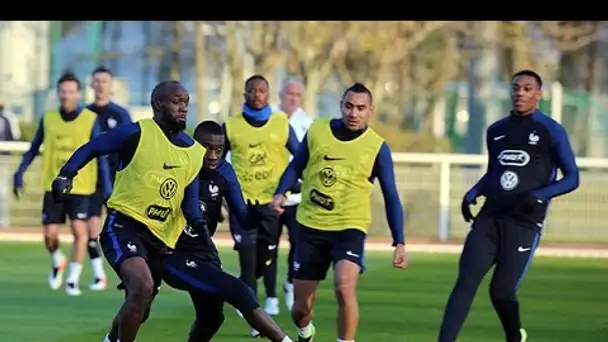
{"points": [[468, 284], [301, 310], [345, 293], [140, 292], [93, 248], [500, 294], [241, 296]]}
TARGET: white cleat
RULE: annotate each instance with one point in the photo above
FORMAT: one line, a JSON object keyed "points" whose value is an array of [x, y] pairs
{"points": [[72, 290], [107, 339], [255, 333], [289, 297], [99, 284], [56, 275], [524, 335], [272, 306]]}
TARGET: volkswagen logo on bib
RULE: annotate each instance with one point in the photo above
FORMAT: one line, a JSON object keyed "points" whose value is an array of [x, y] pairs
{"points": [[168, 188], [509, 180]]}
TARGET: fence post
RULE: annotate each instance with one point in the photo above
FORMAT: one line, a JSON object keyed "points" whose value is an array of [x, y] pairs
{"points": [[444, 200]]}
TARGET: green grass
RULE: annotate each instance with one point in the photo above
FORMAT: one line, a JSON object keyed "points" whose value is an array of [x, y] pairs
{"points": [[561, 300]]}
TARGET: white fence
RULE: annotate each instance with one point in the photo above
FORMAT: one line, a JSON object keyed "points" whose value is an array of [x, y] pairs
{"points": [[430, 185]]}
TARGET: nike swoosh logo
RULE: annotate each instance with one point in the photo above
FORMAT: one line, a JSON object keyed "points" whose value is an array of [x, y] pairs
{"points": [[328, 158], [521, 249], [169, 167], [254, 145], [499, 137]]}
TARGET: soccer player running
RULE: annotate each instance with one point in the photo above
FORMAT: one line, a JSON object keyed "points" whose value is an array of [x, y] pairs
{"points": [[196, 266], [260, 143], [339, 160], [291, 101], [109, 115], [62, 131], [525, 149], [155, 194]]}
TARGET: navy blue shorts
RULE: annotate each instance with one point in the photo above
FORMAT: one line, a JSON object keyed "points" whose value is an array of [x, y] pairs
{"points": [[123, 237], [96, 204], [74, 207], [186, 272], [317, 250], [265, 232]]}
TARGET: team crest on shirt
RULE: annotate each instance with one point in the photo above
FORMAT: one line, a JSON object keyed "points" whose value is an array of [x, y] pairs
{"points": [[213, 190], [533, 138], [112, 123]]}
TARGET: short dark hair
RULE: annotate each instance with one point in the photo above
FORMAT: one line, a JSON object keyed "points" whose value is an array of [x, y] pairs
{"points": [[102, 69], [159, 90], [530, 73], [68, 77], [207, 127], [256, 77], [359, 88]]}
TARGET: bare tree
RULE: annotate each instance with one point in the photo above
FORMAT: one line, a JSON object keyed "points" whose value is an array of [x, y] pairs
{"points": [[234, 60], [317, 46], [199, 66], [262, 42], [176, 48]]}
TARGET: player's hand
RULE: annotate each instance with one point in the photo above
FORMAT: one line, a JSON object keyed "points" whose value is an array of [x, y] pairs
{"points": [[17, 184], [61, 187], [470, 198], [400, 259], [277, 204], [530, 203], [201, 229]]}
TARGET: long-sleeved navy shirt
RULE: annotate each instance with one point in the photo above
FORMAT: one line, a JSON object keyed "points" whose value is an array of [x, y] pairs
{"points": [[292, 141], [524, 154], [110, 116], [123, 140], [383, 170], [215, 186], [102, 163]]}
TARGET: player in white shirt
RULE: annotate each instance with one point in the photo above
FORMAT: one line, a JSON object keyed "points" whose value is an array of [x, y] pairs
{"points": [[291, 99]]}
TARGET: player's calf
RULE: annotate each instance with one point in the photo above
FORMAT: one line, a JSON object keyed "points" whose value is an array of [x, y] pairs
{"points": [[58, 260], [203, 329], [136, 276], [345, 282]]}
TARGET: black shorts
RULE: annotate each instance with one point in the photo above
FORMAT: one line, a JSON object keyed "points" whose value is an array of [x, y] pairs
{"points": [[186, 272], [265, 232], [96, 203], [122, 237], [318, 249], [74, 207]]}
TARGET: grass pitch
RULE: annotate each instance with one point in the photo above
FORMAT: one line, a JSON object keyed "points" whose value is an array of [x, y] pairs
{"points": [[561, 300]]}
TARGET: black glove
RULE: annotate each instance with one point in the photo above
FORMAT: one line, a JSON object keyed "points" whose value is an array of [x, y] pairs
{"points": [[469, 198], [530, 203], [61, 188], [200, 228]]}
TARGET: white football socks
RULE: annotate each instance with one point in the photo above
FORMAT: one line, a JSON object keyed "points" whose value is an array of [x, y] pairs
{"points": [[286, 339], [97, 267], [57, 257], [341, 340], [74, 273]]}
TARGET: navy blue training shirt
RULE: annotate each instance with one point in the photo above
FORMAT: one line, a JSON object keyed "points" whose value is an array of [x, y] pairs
{"points": [[104, 177], [524, 154], [383, 170], [110, 116], [123, 140], [215, 186]]}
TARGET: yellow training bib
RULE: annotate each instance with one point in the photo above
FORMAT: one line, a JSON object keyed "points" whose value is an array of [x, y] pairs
{"points": [[61, 140], [259, 155], [150, 189], [336, 191]]}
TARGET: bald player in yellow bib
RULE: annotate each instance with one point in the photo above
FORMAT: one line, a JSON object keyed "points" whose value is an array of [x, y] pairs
{"points": [[155, 194], [338, 161], [260, 142]]}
